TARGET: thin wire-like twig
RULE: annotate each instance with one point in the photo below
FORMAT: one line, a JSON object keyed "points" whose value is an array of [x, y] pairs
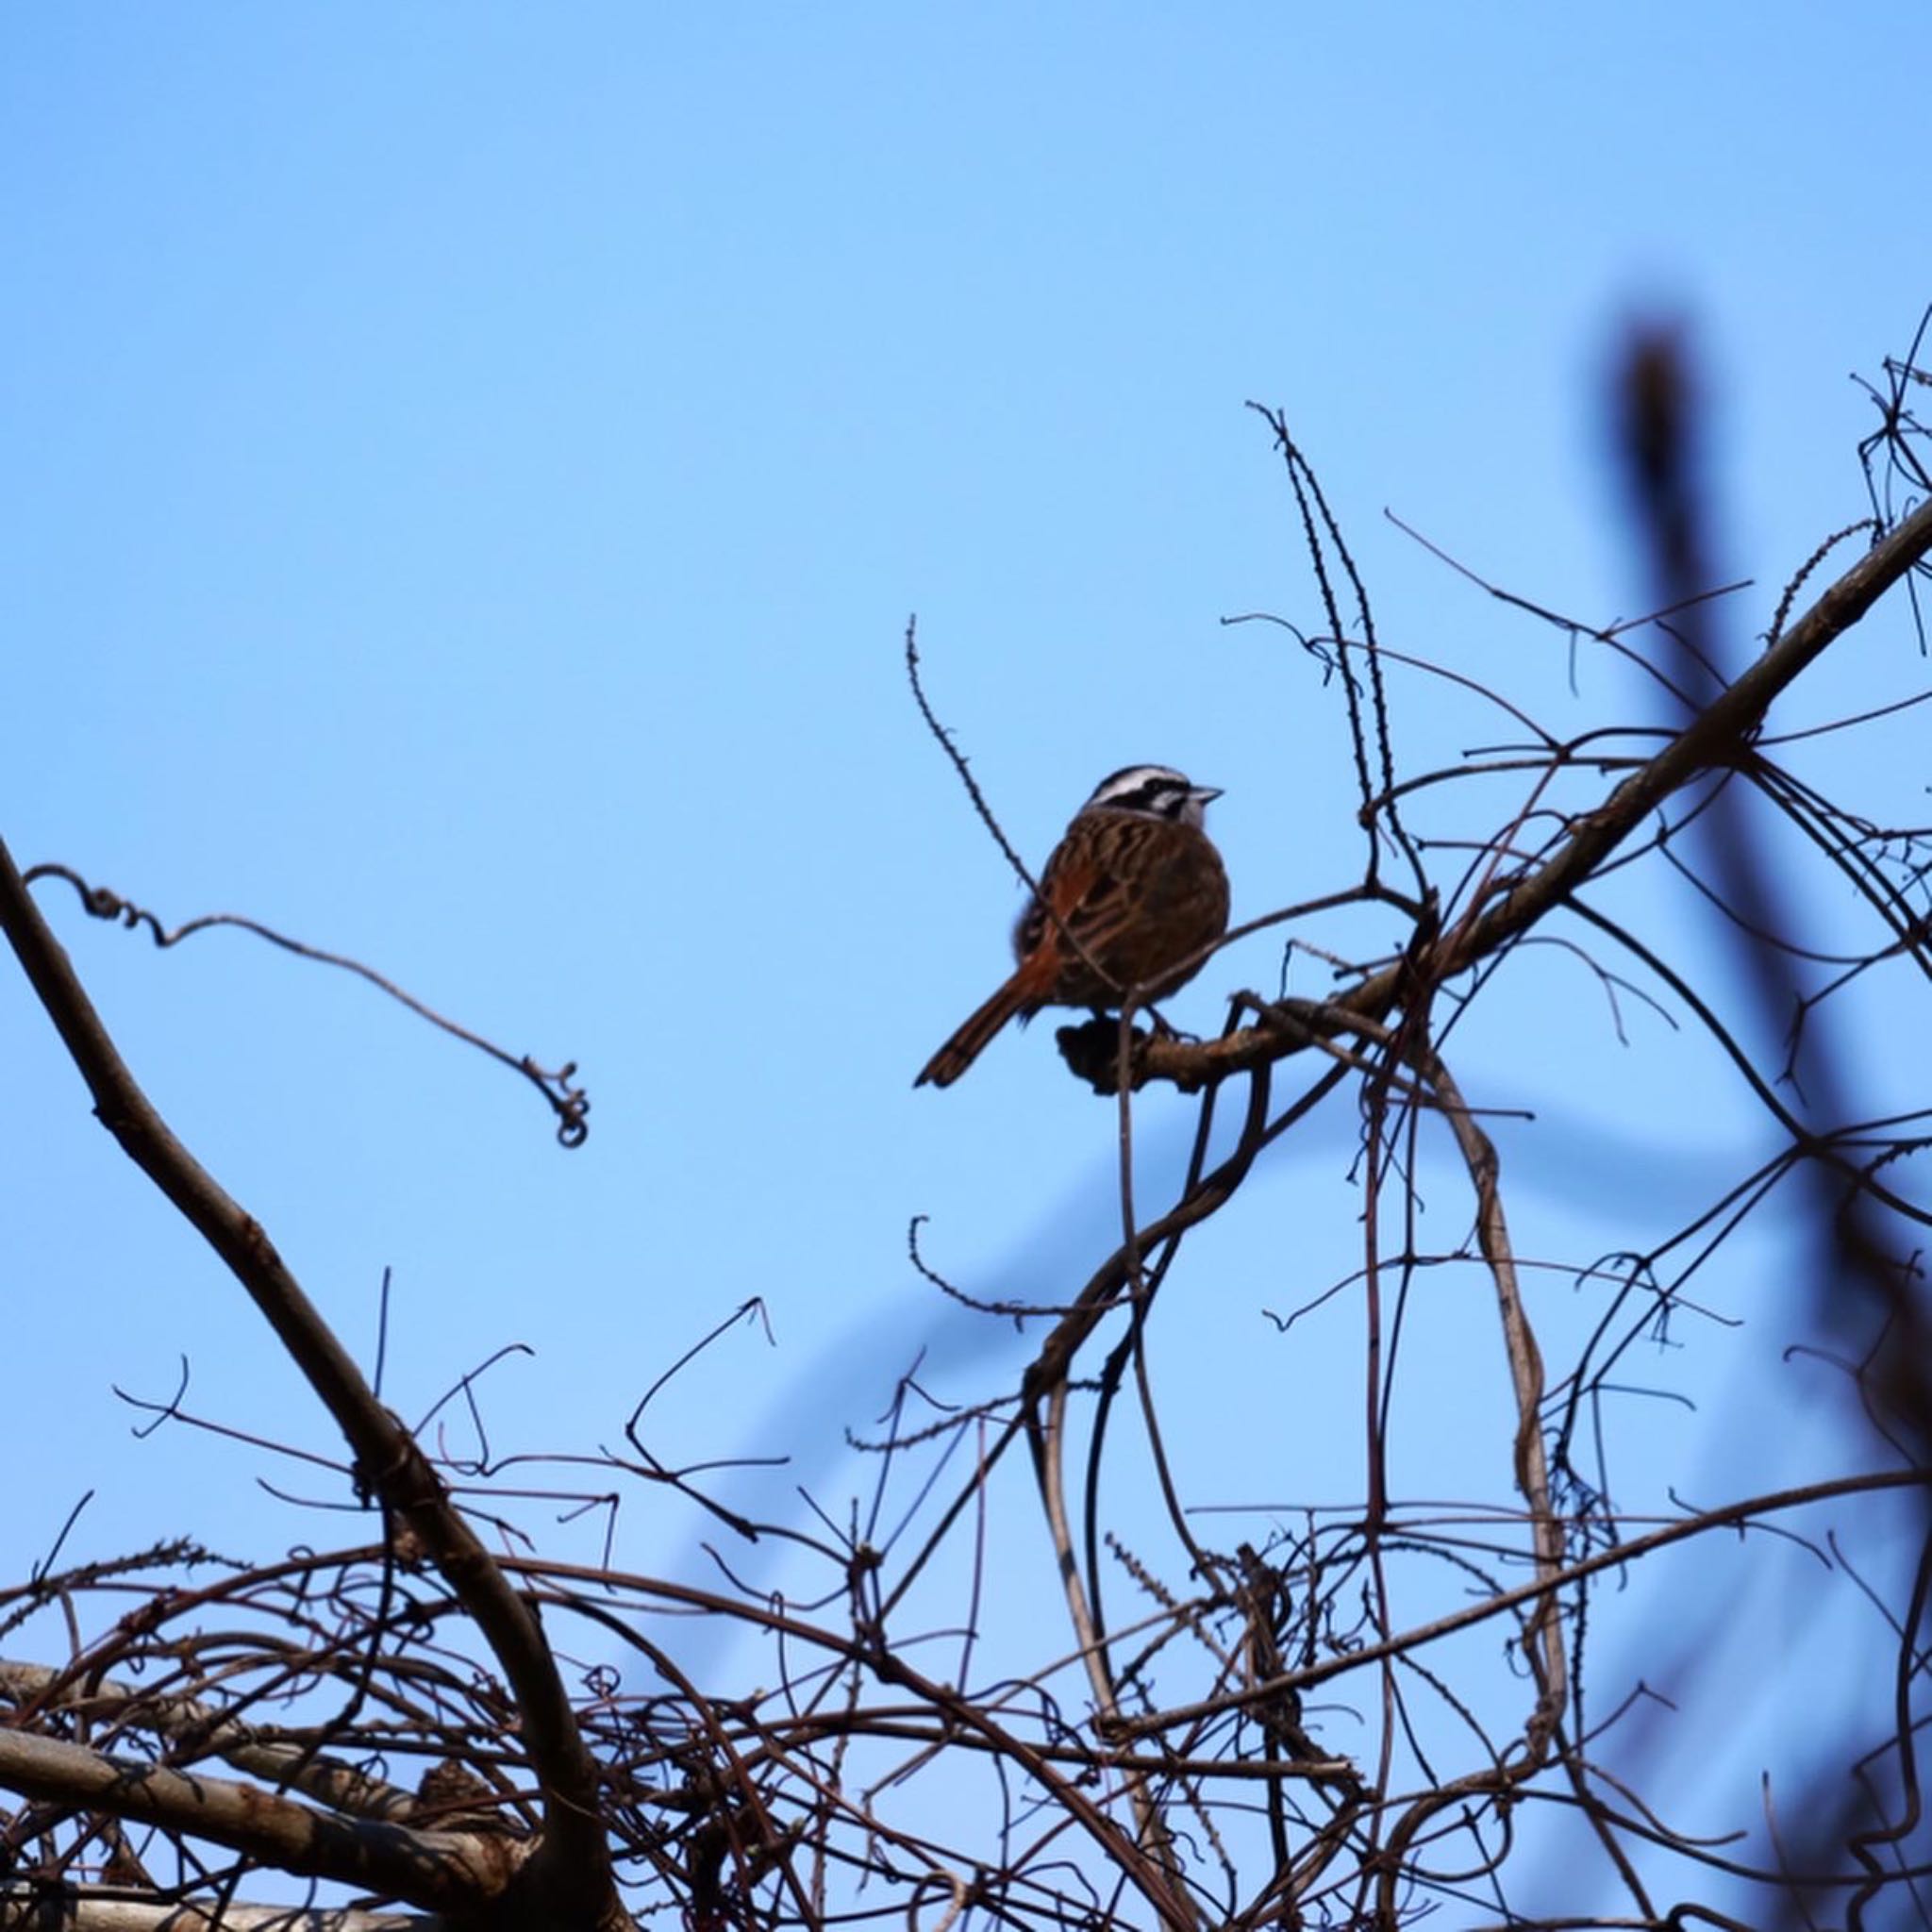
{"points": [[570, 1103]]}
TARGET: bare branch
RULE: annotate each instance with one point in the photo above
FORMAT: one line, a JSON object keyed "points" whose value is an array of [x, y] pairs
{"points": [[573, 1857], [428, 1868]]}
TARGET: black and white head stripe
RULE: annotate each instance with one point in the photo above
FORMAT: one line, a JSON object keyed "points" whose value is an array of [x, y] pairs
{"points": [[1157, 791]]}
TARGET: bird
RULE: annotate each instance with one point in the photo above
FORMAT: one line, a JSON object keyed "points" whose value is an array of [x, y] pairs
{"points": [[1132, 897]]}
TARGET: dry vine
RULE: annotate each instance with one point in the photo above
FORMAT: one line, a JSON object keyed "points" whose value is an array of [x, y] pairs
{"points": [[404, 1731]]}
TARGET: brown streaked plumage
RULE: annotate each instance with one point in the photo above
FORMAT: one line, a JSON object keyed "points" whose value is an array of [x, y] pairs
{"points": [[1133, 895]]}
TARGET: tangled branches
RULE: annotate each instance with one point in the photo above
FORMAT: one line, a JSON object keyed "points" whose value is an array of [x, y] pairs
{"points": [[1279, 1661]]}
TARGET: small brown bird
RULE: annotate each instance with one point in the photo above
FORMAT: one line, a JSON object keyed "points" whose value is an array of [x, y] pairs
{"points": [[1132, 896]]}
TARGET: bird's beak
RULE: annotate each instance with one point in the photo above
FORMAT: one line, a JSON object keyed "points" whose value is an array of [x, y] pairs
{"points": [[1204, 794]]}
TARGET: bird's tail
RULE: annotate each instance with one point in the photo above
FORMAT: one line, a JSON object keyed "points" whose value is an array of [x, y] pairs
{"points": [[970, 1041]]}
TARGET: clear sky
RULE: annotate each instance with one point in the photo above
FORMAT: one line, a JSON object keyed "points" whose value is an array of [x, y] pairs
{"points": [[468, 471]]}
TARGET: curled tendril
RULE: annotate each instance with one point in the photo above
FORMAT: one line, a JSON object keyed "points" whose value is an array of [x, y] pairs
{"points": [[569, 1101]]}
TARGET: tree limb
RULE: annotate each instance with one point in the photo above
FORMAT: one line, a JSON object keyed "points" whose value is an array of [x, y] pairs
{"points": [[1516, 904], [572, 1862], [428, 1868], [30, 1907]]}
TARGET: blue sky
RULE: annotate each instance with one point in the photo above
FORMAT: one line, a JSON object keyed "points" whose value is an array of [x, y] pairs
{"points": [[469, 471]]}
